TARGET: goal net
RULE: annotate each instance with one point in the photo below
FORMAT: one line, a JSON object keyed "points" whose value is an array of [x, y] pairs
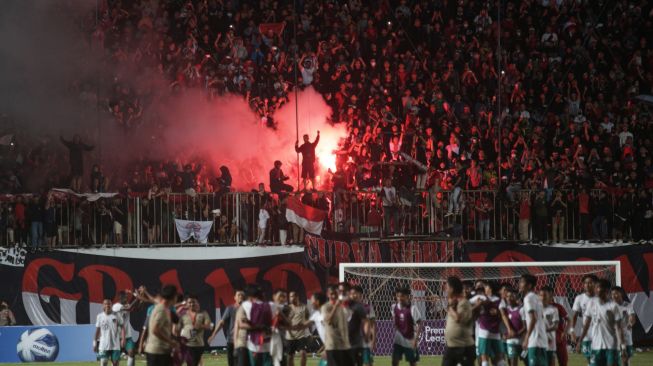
{"points": [[427, 284]]}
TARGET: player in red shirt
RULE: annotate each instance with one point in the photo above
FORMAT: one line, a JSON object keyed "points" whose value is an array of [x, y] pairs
{"points": [[561, 335]]}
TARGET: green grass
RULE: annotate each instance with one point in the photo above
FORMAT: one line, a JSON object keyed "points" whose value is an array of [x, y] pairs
{"points": [[640, 359]]}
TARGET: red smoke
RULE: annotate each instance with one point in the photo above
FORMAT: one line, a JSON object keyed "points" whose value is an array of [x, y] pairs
{"points": [[225, 131]]}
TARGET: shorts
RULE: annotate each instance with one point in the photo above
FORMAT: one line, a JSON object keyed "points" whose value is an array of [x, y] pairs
{"points": [[111, 355], [260, 359], [158, 359], [604, 357], [130, 344], [322, 362], [551, 355], [357, 355], [537, 357], [297, 345], [463, 356], [630, 352], [490, 347], [399, 352], [242, 356], [368, 357], [340, 357], [308, 170], [586, 349], [513, 350], [117, 227]]}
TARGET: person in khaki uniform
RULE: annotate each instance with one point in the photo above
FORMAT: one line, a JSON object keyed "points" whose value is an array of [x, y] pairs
{"points": [[160, 342], [337, 345], [193, 324], [240, 339], [297, 339]]}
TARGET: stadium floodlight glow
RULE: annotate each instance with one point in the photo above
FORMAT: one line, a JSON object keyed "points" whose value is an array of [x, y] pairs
{"points": [[427, 283]]}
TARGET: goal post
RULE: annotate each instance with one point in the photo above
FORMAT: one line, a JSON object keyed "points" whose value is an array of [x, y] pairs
{"points": [[427, 280]]}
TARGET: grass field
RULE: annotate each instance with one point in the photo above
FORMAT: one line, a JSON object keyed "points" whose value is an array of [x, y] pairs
{"points": [[640, 359]]}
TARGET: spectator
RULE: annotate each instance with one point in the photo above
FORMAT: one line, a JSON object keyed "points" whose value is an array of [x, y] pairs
{"points": [[390, 202], [224, 181], [34, 216], [49, 222], [483, 207], [308, 159], [76, 149], [601, 210], [277, 179], [540, 217], [6, 315], [524, 217], [584, 213], [558, 208]]}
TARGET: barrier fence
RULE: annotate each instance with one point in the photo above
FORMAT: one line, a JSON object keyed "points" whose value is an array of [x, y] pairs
{"points": [[467, 214]]}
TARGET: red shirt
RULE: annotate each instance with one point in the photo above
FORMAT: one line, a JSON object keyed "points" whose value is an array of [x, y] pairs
{"points": [[524, 210], [20, 213], [562, 324], [583, 203]]}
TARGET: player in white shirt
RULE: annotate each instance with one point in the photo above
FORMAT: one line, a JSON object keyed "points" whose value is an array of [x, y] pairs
{"points": [[535, 341], [317, 321], [603, 321], [579, 309], [109, 335], [551, 320], [627, 322], [478, 296], [123, 309]]}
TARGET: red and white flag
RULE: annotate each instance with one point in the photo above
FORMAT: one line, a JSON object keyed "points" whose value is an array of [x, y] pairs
{"points": [[309, 218]]}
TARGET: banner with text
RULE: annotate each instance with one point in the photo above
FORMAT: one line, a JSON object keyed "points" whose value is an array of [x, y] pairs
{"points": [[67, 287]]}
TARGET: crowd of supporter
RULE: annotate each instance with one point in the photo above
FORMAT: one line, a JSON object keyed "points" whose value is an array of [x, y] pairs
{"points": [[431, 98]]}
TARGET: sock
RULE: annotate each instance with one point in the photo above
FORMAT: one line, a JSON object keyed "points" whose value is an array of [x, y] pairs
{"points": [[130, 361], [484, 363], [104, 362]]}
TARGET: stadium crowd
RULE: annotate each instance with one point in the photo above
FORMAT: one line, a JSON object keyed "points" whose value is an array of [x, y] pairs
{"points": [[543, 120]]}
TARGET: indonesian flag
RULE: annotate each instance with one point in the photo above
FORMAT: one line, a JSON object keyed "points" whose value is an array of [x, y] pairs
{"points": [[309, 218], [276, 28]]}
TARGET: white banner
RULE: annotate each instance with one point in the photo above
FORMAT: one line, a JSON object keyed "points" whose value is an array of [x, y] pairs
{"points": [[92, 197], [193, 229]]}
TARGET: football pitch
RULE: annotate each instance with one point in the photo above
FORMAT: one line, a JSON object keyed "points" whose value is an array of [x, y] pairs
{"points": [[640, 359]]}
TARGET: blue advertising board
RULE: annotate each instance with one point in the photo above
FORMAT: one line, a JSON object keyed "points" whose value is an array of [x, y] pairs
{"points": [[48, 343]]}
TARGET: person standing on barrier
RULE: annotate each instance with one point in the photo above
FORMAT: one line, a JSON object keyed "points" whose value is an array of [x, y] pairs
{"points": [[76, 149], [308, 159]]}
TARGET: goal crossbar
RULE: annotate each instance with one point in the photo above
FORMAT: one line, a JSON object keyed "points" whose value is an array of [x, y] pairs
{"points": [[617, 265]]}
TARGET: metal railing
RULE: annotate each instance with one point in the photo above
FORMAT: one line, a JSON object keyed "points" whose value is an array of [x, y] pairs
{"points": [[458, 214]]}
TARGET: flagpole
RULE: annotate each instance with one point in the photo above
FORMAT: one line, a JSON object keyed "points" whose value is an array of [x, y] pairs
{"points": [[296, 85]]}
